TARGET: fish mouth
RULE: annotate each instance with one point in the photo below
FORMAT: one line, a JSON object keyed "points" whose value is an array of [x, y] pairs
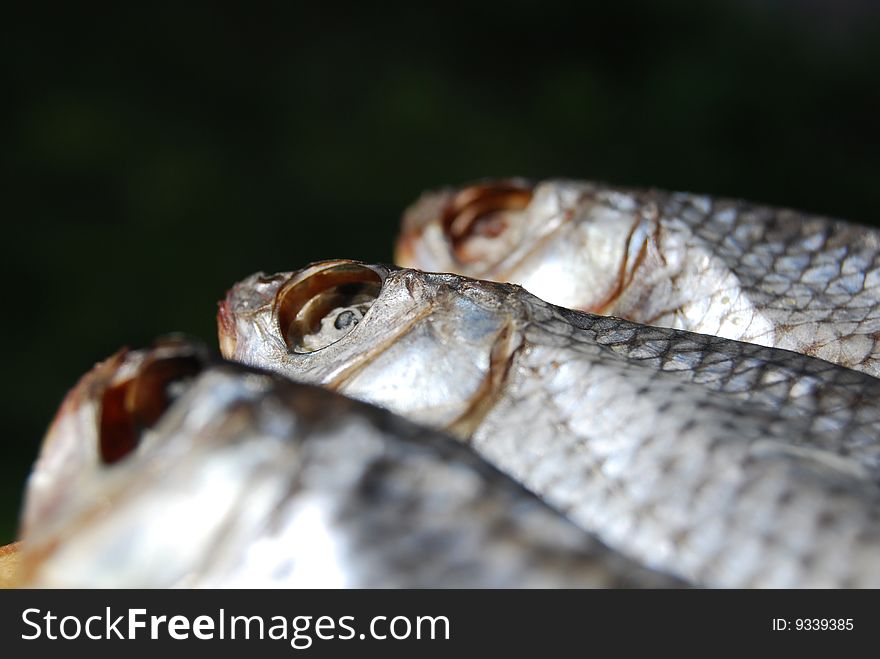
{"points": [[226, 328], [249, 296]]}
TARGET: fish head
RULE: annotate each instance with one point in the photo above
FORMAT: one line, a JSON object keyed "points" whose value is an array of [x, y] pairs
{"points": [[572, 244], [178, 462], [424, 344], [102, 421]]}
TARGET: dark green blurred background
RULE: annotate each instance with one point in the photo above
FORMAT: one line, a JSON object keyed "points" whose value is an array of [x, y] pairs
{"points": [[153, 157]]}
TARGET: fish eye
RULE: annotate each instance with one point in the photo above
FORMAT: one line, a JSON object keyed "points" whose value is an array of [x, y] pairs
{"points": [[320, 309], [136, 404], [480, 213]]}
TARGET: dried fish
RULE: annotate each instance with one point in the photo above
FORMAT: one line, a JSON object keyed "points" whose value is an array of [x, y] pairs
{"points": [[725, 463], [770, 276]]}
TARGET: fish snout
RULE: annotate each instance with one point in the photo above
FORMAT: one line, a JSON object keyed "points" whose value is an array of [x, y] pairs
{"points": [[226, 328], [248, 296]]}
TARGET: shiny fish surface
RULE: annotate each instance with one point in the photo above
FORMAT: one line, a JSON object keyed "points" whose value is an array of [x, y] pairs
{"points": [[726, 463], [242, 478], [770, 276]]}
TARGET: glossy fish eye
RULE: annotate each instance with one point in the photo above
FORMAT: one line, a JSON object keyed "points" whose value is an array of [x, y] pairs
{"points": [[130, 407], [316, 311], [481, 212]]}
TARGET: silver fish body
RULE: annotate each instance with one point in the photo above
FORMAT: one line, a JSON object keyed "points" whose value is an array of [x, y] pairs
{"points": [[770, 276], [245, 479], [725, 463]]}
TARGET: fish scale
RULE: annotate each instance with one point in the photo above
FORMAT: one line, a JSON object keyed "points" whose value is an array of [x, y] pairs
{"points": [[663, 465], [837, 404]]}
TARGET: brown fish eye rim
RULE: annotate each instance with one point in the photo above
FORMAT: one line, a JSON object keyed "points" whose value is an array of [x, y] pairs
{"points": [[132, 406], [308, 298], [470, 206]]}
